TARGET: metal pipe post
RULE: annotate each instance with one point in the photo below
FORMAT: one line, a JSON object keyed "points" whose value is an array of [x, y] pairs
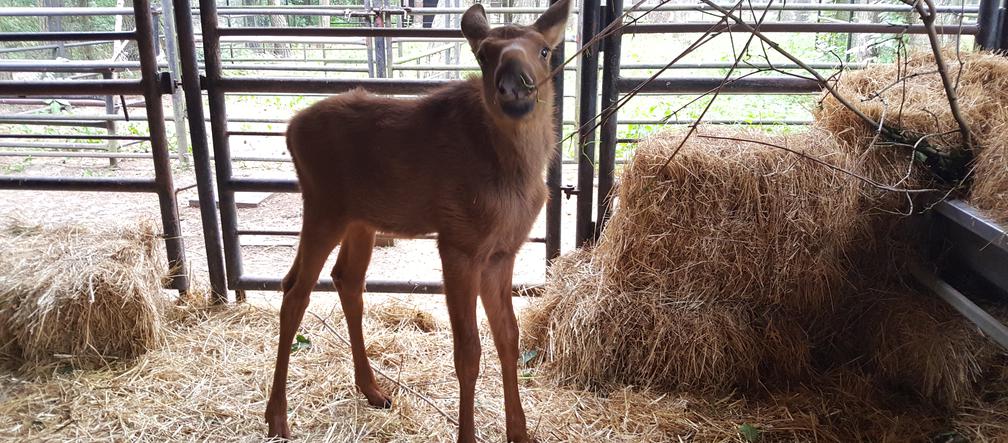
{"points": [[110, 124], [172, 57], [554, 176], [586, 124], [221, 147], [607, 138], [989, 24], [201, 151], [150, 81]]}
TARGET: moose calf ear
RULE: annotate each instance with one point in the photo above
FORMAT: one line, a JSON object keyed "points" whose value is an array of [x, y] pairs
{"points": [[474, 25], [553, 22]]}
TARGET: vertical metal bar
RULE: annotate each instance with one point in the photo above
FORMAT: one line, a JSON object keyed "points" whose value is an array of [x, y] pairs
{"points": [[989, 23], [369, 42], [586, 124], [381, 45], [610, 95], [150, 80], [110, 125], [172, 57], [554, 176], [201, 150], [221, 147]]}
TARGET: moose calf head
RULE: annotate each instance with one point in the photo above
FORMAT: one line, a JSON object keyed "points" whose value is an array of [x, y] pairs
{"points": [[515, 60]]}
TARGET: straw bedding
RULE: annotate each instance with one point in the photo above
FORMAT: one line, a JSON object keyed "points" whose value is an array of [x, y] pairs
{"points": [[212, 379], [80, 296], [918, 105]]}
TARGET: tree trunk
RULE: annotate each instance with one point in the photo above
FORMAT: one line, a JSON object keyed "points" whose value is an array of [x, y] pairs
{"points": [[279, 21]]}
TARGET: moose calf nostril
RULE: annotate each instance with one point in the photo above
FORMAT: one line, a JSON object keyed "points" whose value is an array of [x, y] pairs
{"points": [[502, 90]]}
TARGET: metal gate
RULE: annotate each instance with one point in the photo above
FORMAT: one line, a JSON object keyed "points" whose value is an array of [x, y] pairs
{"points": [[217, 85], [213, 163], [152, 84]]}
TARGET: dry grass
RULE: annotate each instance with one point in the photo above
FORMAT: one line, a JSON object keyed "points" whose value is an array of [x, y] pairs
{"points": [[920, 344], [211, 381], [398, 315], [918, 105], [80, 296]]}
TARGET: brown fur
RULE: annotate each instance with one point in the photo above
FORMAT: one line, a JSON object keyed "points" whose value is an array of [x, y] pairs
{"points": [[466, 162]]}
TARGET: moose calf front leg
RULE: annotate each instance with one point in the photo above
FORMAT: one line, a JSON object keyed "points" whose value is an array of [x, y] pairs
{"points": [[348, 276], [495, 291], [461, 279], [313, 249]]}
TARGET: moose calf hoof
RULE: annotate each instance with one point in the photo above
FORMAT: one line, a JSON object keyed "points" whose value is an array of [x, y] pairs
{"points": [[276, 420], [524, 438], [278, 429], [378, 399]]}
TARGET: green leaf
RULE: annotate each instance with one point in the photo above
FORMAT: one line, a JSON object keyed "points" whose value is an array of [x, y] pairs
{"points": [[527, 356], [54, 107], [749, 432], [300, 343]]}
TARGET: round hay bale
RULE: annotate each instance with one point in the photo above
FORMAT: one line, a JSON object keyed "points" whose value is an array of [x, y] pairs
{"points": [[82, 296], [731, 220]]}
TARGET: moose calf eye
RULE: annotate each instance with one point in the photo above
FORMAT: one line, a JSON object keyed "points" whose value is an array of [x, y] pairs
{"points": [[544, 52]]}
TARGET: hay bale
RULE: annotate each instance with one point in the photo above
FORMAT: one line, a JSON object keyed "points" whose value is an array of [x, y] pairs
{"points": [[594, 335], [919, 344], [82, 296], [736, 221], [709, 270], [919, 106]]}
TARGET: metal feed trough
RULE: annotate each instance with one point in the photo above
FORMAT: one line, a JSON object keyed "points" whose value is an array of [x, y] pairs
{"points": [[975, 246]]}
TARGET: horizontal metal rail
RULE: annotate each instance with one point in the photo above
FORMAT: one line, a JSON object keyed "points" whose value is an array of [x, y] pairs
{"points": [[991, 327], [297, 84], [852, 28], [102, 184], [810, 7], [81, 119], [289, 233], [70, 87], [695, 85], [50, 47], [64, 12], [45, 145], [101, 155], [76, 136], [341, 32], [966, 216], [88, 36], [259, 283], [238, 184]]}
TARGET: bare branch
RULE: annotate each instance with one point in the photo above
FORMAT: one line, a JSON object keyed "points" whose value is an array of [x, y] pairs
{"points": [[928, 14]]}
